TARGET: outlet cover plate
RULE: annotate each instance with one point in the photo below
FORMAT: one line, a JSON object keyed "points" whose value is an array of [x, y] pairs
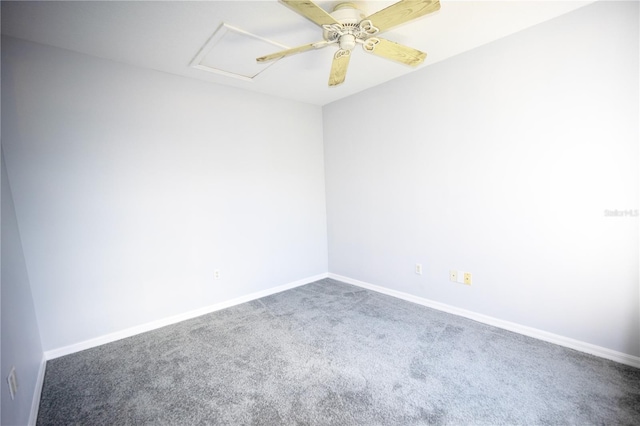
{"points": [[13, 383]]}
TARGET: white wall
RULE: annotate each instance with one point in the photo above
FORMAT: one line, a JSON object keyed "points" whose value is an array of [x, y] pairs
{"points": [[501, 162], [21, 347], [132, 186]]}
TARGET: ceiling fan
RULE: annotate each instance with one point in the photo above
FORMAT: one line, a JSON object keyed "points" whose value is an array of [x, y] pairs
{"points": [[347, 26]]}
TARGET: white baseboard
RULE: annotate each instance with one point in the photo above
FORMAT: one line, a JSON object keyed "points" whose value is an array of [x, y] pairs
{"points": [[37, 392], [112, 337], [578, 345]]}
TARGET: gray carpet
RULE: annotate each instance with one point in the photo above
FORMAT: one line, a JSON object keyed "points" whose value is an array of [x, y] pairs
{"points": [[329, 353]]}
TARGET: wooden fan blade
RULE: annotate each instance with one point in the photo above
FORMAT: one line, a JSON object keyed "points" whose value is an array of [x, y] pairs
{"points": [[311, 11], [401, 12], [339, 67], [397, 52], [291, 51]]}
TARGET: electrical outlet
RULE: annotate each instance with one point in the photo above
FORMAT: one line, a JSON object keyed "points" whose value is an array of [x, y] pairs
{"points": [[216, 274], [453, 276], [418, 268], [467, 278], [13, 382]]}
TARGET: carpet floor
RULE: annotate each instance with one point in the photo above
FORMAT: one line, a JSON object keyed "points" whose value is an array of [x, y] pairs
{"points": [[329, 353]]}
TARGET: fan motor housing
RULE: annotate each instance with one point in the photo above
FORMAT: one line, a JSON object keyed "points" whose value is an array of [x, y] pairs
{"points": [[347, 13], [349, 17]]}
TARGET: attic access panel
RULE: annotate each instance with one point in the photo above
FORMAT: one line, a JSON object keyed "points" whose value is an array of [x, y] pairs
{"points": [[232, 52]]}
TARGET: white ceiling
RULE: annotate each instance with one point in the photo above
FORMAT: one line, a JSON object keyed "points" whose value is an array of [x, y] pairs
{"points": [[167, 35]]}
